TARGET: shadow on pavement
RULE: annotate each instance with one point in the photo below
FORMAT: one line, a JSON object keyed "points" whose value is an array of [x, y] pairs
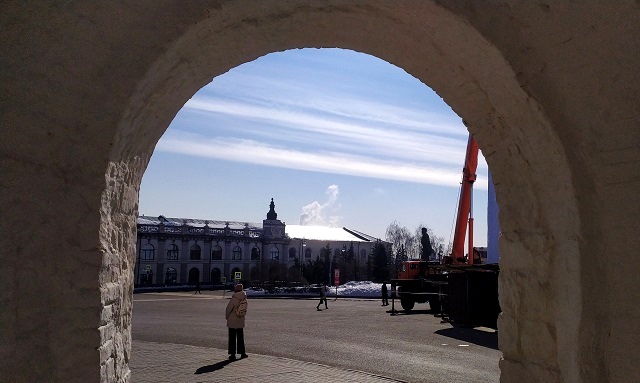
{"points": [[482, 338], [412, 312], [212, 367]]}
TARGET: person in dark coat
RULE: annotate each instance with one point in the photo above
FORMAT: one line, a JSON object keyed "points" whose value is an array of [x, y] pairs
{"points": [[425, 241], [198, 287], [323, 297], [235, 323], [385, 298]]}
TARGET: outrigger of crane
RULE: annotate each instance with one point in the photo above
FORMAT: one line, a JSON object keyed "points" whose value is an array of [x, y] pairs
{"points": [[465, 208]]}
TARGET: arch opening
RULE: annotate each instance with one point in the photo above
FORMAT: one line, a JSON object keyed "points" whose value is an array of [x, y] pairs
{"points": [[274, 272]]}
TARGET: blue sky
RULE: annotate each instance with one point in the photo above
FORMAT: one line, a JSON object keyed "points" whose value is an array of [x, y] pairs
{"points": [[335, 137]]}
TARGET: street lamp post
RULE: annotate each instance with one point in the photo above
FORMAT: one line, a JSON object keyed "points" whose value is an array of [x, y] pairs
{"points": [[303, 244], [139, 245], [344, 254], [357, 257]]}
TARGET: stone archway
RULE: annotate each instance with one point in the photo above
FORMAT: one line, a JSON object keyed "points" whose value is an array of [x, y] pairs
{"points": [[84, 104]]}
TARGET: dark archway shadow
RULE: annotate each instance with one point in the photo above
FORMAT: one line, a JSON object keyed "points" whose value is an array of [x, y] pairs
{"points": [[482, 338], [212, 367], [412, 312]]}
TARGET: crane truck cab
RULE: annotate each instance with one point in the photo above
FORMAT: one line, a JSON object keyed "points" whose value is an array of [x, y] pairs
{"points": [[409, 270], [421, 282]]}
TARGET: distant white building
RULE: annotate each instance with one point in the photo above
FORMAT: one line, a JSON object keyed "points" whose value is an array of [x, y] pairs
{"points": [[183, 250]]}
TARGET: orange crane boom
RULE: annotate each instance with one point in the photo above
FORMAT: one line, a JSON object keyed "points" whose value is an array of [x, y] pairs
{"points": [[465, 205]]}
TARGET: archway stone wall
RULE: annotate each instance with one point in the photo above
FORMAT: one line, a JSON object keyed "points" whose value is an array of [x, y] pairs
{"points": [[89, 88]]}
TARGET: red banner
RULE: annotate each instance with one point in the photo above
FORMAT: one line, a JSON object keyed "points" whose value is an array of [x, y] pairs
{"points": [[336, 277]]}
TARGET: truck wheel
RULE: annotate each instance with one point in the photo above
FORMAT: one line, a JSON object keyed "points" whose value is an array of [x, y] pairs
{"points": [[435, 305], [407, 303]]}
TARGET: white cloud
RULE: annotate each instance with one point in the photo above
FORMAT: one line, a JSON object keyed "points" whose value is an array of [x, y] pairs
{"points": [[317, 214], [295, 96], [247, 151], [379, 190], [389, 138], [320, 128]]}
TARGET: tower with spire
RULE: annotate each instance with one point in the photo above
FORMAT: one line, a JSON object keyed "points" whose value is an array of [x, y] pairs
{"points": [[272, 226]]}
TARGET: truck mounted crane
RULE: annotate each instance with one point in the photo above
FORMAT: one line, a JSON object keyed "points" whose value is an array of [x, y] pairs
{"points": [[457, 286]]}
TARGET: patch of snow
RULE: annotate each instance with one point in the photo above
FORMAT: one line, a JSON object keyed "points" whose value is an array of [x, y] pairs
{"points": [[354, 289]]}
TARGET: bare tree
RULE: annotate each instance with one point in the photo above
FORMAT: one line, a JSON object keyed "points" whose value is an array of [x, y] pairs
{"points": [[399, 237], [409, 244]]}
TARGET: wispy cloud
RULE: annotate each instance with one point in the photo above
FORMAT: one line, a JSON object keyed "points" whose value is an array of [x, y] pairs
{"points": [[311, 112], [366, 112], [247, 151], [359, 106], [379, 190], [354, 134]]}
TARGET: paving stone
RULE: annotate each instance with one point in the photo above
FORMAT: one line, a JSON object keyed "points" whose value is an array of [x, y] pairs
{"points": [[165, 362]]}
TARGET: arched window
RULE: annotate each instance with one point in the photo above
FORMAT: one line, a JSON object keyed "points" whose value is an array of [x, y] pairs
{"points": [[173, 252], [216, 276], [194, 253], [255, 254], [194, 275], [363, 254], [170, 276], [216, 253], [292, 253], [147, 275], [148, 252], [307, 253], [275, 254], [237, 253]]}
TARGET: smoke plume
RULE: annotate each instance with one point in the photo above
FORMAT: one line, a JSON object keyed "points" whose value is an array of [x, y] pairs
{"points": [[319, 214]]}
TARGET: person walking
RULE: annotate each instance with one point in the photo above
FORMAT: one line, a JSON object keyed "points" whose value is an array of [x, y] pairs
{"points": [[385, 298], [323, 297], [198, 287], [235, 313]]}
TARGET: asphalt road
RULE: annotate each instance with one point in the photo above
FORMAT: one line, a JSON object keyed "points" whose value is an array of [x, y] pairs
{"points": [[353, 334]]}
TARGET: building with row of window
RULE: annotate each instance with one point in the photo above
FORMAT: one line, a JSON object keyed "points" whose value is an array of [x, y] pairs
{"points": [[176, 251]]}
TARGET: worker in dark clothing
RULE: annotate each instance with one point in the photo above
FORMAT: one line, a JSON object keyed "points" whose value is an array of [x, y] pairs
{"points": [[385, 298], [198, 287], [427, 250], [323, 297]]}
